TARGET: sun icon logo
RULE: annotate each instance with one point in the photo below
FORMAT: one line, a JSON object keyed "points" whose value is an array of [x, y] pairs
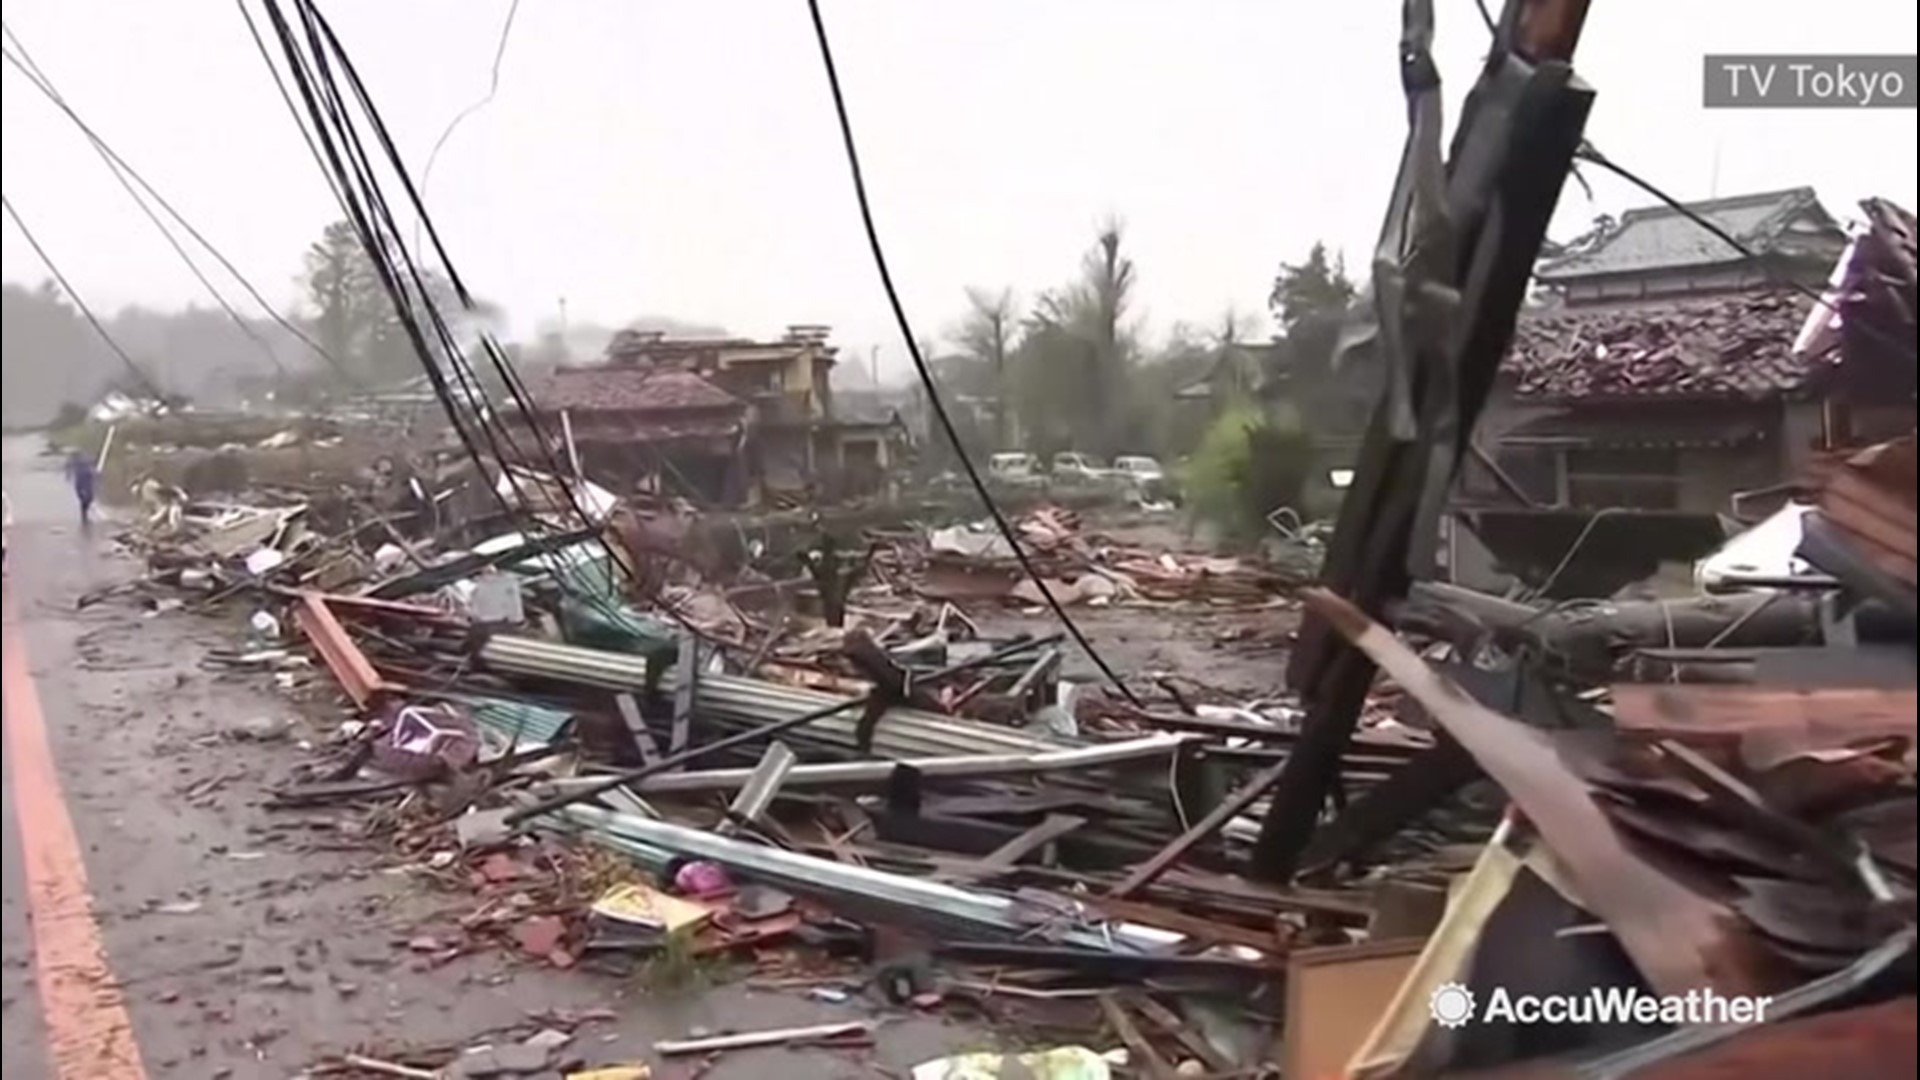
{"points": [[1451, 1005]]}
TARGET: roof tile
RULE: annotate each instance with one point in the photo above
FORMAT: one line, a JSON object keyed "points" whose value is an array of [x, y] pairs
{"points": [[1738, 345], [1659, 237], [632, 389]]}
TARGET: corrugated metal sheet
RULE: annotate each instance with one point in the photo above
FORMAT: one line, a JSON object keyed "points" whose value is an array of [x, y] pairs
{"points": [[518, 722], [739, 702]]}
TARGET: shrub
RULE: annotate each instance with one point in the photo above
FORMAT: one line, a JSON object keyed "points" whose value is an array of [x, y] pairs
{"points": [[1248, 465]]}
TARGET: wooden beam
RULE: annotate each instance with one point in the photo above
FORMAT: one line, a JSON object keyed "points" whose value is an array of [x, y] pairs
{"points": [[1009, 854], [1229, 807], [1412, 791]]}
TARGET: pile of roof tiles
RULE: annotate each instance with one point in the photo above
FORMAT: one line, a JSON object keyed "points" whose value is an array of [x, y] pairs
{"points": [[1739, 345]]}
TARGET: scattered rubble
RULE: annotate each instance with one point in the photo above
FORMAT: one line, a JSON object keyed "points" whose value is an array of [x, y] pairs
{"points": [[816, 772]]}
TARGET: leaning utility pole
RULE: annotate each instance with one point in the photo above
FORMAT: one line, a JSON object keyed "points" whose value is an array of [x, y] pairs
{"points": [[1455, 257]]}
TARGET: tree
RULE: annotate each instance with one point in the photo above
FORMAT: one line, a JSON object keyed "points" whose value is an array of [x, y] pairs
{"points": [[1236, 371], [1318, 285], [987, 335], [1075, 359], [345, 296], [1250, 464], [1108, 281], [353, 315]]}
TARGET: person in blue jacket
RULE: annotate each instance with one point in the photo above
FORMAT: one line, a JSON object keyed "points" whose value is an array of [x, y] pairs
{"points": [[81, 474]]}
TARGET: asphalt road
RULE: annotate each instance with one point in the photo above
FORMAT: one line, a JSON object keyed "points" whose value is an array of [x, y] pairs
{"points": [[245, 944]]}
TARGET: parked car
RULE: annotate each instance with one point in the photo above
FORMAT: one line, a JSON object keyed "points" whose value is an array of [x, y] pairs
{"points": [[1015, 468], [1139, 468], [1069, 465]]}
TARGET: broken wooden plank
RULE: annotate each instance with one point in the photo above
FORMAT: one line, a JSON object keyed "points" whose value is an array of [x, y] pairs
{"points": [[1181, 922], [1420, 786], [1680, 939], [1229, 808], [636, 723], [747, 1039], [1146, 1057], [1825, 718], [1195, 1043], [1009, 854], [686, 689]]}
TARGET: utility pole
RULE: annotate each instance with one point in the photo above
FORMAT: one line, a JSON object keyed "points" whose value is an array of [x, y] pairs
{"points": [[1497, 204], [563, 318]]}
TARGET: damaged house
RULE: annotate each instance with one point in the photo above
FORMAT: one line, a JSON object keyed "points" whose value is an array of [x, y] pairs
{"points": [[725, 421], [1668, 380]]}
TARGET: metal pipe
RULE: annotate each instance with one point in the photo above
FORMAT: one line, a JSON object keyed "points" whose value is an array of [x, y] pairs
{"points": [[674, 761], [854, 773], [969, 913]]}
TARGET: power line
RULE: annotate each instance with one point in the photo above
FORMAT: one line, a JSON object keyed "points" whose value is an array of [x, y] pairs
{"points": [[493, 89], [920, 362], [1486, 16], [1588, 152], [66, 286], [122, 171], [350, 170], [165, 233]]}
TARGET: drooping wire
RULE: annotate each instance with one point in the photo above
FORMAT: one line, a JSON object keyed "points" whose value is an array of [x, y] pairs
{"points": [[128, 176], [293, 110], [502, 365], [1486, 16], [926, 373], [341, 155], [173, 242], [1588, 152], [493, 90], [146, 383], [318, 31]]}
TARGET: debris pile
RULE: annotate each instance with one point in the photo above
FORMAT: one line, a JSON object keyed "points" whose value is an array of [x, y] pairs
{"points": [[617, 767], [902, 814], [965, 563]]}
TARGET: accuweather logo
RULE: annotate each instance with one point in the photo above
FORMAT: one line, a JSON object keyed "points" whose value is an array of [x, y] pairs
{"points": [[1454, 1005]]}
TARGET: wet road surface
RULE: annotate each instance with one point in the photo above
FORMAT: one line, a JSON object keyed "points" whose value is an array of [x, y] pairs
{"points": [[245, 944]]}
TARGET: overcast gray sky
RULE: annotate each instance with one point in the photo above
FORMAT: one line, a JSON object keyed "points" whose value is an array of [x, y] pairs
{"points": [[679, 158]]}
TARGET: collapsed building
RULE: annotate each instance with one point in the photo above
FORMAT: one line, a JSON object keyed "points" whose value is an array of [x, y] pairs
{"points": [[725, 422], [1667, 385]]}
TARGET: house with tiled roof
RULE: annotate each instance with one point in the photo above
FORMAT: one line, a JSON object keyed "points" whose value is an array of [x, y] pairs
{"points": [[1663, 372], [644, 428], [723, 420], [1657, 252], [1670, 373]]}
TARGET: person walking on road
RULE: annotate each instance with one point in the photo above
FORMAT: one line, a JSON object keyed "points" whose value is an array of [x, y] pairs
{"points": [[81, 474]]}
